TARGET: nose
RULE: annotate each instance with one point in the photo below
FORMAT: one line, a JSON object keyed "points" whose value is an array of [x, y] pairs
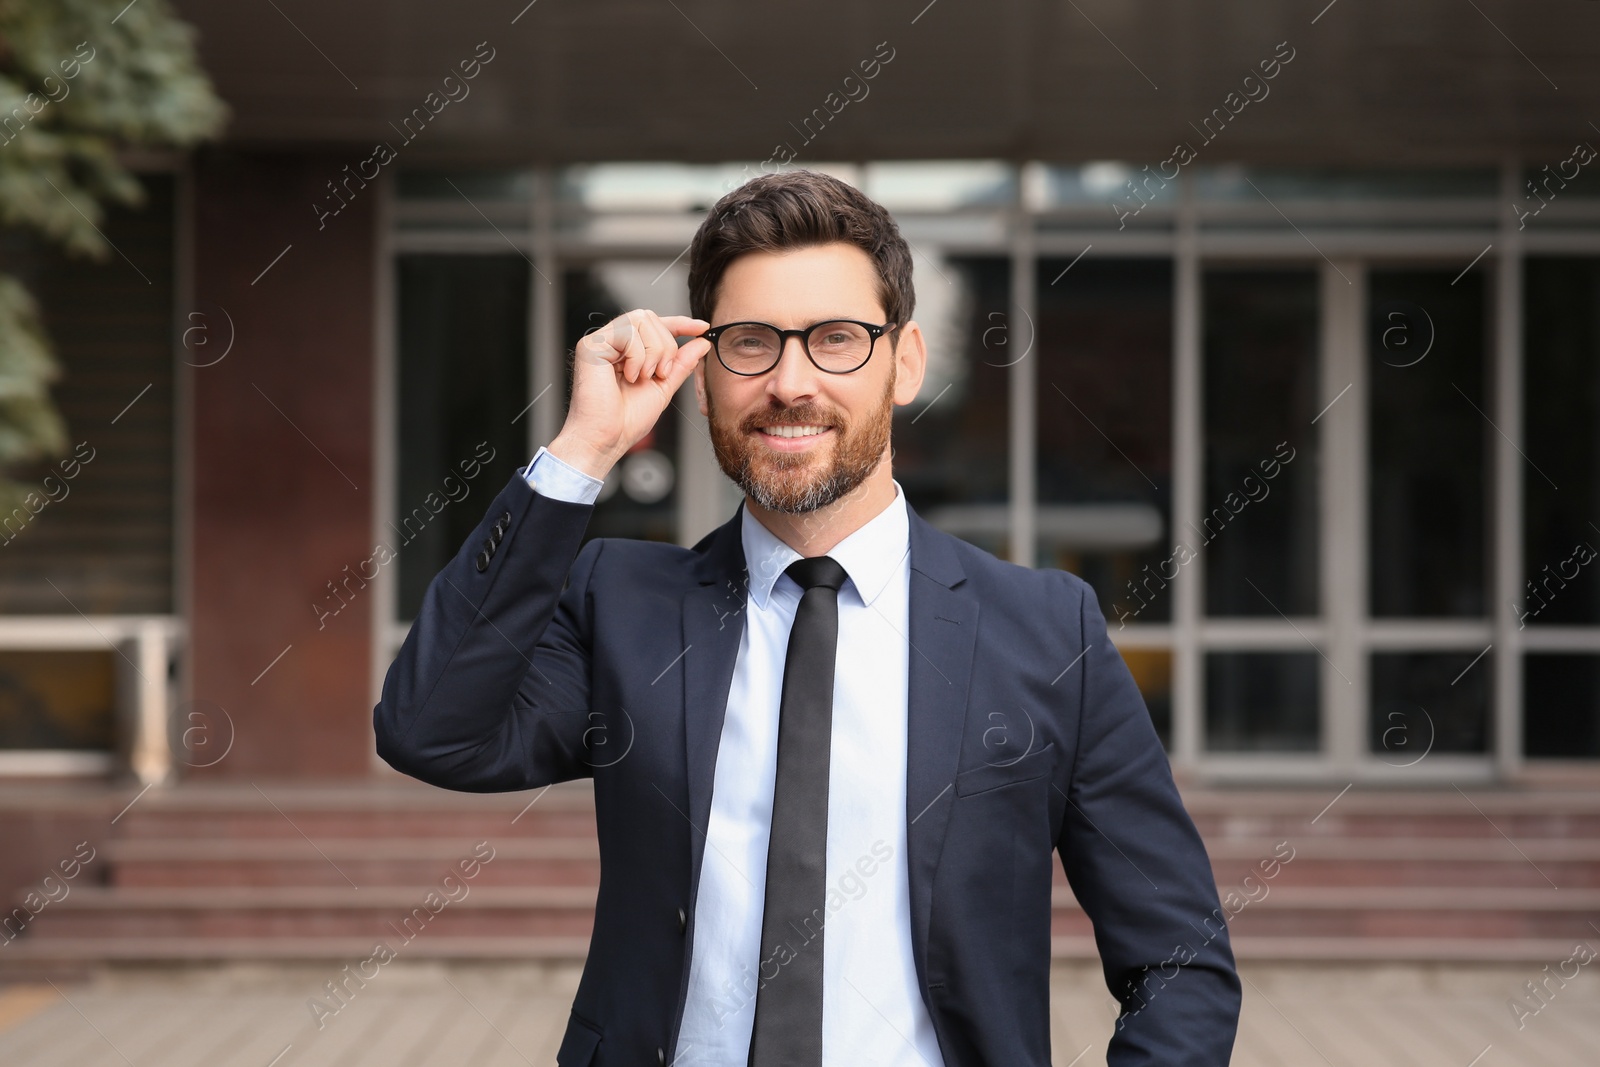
{"points": [[795, 376]]}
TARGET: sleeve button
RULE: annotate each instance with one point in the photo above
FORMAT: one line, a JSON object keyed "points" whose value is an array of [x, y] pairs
{"points": [[483, 561]]}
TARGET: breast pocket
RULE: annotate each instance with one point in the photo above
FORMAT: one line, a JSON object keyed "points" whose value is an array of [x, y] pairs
{"points": [[990, 776]]}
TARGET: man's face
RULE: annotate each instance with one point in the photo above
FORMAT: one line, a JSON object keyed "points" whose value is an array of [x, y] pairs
{"points": [[792, 290]]}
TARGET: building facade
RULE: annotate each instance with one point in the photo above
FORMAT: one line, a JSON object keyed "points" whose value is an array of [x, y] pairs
{"points": [[1298, 368]]}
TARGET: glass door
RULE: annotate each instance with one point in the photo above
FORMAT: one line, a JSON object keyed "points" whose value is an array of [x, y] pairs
{"points": [[1342, 542], [1257, 540], [1428, 440]]}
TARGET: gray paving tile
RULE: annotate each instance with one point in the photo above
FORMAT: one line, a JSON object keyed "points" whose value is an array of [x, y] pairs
{"points": [[439, 1015]]}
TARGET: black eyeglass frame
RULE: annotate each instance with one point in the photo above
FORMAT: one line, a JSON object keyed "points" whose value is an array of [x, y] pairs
{"points": [[873, 333]]}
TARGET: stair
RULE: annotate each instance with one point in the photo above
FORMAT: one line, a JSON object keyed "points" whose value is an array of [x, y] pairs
{"points": [[290, 871], [1421, 875], [218, 872]]}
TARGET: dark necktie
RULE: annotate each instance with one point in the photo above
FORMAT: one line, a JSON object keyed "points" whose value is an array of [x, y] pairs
{"points": [[788, 1023]]}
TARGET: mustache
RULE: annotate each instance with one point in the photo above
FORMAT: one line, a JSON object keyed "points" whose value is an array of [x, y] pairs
{"points": [[805, 416]]}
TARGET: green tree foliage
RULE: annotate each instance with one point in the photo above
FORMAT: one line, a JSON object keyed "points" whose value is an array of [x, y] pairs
{"points": [[81, 82]]}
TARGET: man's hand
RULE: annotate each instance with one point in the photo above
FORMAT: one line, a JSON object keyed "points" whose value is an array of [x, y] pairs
{"points": [[623, 377]]}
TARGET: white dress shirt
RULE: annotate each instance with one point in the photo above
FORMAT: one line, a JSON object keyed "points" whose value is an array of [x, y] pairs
{"points": [[872, 1011]]}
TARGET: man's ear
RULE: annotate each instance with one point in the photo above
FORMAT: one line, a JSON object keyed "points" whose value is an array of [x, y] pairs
{"points": [[700, 383], [911, 363]]}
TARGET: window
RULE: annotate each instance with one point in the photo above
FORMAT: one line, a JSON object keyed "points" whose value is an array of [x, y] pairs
{"points": [[463, 363], [950, 444], [1258, 527], [1428, 444], [1272, 447], [1104, 467], [87, 553]]}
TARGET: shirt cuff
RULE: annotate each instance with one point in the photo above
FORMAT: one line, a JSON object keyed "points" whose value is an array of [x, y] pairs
{"points": [[548, 475]]}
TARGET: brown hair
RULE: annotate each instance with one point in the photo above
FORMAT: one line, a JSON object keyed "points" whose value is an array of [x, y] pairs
{"points": [[797, 209]]}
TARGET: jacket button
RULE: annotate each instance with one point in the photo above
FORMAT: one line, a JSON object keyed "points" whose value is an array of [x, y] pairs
{"points": [[483, 561], [505, 519], [683, 921], [496, 534], [661, 1055]]}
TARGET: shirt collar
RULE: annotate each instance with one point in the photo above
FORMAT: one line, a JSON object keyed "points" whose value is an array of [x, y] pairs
{"points": [[870, 555]]}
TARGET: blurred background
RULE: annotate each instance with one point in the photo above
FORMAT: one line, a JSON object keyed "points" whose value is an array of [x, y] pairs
{"points": [[1278, 323]]}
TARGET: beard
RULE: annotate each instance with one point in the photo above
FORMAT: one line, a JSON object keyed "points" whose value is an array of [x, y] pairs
{"points": [[798, 482]]}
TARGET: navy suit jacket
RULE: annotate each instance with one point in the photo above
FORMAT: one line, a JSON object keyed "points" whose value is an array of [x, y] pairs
{"points": [[533, 662]]}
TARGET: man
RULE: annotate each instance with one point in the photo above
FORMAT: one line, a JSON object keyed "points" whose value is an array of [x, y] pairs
{"points": [[833, 748]]}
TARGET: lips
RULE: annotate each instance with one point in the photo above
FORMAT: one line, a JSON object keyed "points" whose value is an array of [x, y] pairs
{"points": [[788, 430], [792, 437]]}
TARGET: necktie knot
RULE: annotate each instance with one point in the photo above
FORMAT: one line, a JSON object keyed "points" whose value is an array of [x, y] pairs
{"points": [[813, 571]]}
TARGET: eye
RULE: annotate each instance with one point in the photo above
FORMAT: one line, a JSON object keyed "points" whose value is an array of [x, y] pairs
{"points": [[746, 339]]}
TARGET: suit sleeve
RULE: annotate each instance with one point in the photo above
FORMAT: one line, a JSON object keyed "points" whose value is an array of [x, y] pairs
{"points": [[1138, 866], [490, 690]]}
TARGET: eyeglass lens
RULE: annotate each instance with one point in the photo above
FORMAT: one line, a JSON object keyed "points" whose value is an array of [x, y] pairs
{"points": [[749, 348]]}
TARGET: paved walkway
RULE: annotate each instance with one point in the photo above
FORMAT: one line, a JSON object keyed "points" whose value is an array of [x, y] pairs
{"points": [[417, 1015]]}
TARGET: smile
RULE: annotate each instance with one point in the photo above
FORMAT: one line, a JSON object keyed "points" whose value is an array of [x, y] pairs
{"points": [[790, 438], [794, 431]]}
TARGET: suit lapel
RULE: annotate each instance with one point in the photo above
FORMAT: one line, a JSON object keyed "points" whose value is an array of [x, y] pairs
{"points": [[713, 622], [943, 623]]}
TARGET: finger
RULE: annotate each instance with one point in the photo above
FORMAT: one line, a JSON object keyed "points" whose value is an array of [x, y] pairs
{"points": [[619, 332], [684, 325], [687, 356], [599, 345], [663, 348], [634, 351], [611, 341], [678, 368], [649, 343]]}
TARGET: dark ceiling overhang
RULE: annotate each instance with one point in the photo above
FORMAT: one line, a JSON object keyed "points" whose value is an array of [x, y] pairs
{"points": [[1409, 82]]}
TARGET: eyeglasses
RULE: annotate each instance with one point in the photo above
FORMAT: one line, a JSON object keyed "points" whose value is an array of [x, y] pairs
{"points": [[837, 346]]}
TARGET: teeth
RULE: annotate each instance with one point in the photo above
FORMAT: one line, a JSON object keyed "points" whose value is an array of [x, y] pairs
{"points": [[793, 431]]}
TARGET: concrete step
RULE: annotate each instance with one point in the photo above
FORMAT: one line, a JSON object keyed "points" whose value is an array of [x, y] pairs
{"points": [[486, 910], [341, 949], [570, 860], [1376, 861], [1446, 811], [369, 825], [1464, 823], [374, 912], [407, 810], [25, 957], [264, 861], [1422, 914], [366, 811]]}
